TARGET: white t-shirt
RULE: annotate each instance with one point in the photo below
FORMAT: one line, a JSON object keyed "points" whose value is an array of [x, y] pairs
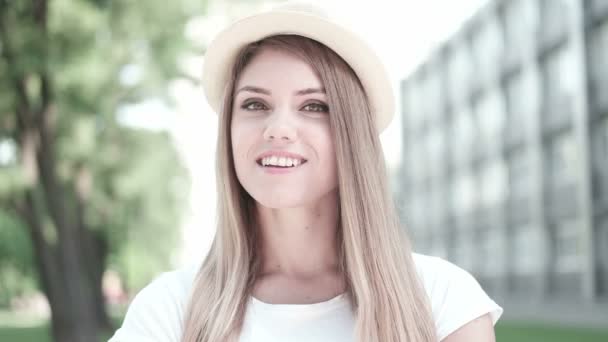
{"points": [[157, 311]]}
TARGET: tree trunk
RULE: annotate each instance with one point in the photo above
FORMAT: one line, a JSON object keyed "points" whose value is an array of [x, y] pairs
{"points": [[95, 248], [80, 325], [71, 316]]}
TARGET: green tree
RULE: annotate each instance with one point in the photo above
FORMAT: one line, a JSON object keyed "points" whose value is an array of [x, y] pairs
{"points": [[86, 190]]}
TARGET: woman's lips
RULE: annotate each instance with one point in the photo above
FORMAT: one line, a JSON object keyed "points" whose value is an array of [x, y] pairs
{"points": [[279, 169]]}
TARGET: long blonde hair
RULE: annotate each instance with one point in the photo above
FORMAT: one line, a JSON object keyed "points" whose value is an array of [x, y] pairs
{"points": [[389, 302]]}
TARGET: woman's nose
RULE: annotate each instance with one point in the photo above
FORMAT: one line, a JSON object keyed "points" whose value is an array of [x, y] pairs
{"points": [[280, 128]]}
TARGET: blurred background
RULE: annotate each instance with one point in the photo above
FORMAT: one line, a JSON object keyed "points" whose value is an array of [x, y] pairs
{"points": [[498, 158]]}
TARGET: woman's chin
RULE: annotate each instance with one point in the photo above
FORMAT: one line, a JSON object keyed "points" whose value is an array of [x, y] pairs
{"points": [[280, 202], [295, 197]]}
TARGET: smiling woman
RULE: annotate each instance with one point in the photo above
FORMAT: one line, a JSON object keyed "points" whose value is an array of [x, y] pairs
{"points": [[308, 245]]}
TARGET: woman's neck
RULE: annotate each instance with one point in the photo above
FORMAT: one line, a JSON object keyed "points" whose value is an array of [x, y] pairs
{"points": [[299, 242]]}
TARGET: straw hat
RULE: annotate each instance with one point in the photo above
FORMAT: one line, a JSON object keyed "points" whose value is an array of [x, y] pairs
{"points": [[306, 20]]}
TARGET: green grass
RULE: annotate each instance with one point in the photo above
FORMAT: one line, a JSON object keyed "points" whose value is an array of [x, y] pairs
{"points": [[505, 332], [534, 332], [19, 328], [23, 334], [26, 329], [40, 333]]}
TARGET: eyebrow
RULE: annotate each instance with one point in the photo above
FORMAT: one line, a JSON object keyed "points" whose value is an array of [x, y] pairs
{"points": [[301, 92]]}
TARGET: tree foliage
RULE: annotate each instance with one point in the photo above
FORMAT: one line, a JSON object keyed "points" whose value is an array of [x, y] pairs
{"points": [[68, 168]]}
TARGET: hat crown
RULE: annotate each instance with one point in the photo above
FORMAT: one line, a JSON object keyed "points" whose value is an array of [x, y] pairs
{"points": [[321, 22], [308, 8]]}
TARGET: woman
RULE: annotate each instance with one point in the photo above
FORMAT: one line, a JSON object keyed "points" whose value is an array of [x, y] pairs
{"points": [[308, 244]]}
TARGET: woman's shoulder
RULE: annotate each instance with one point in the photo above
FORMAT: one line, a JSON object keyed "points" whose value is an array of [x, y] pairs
{"points": [[433, 267], [168, 288], [438, 274], [156, 312], [456, 297]]}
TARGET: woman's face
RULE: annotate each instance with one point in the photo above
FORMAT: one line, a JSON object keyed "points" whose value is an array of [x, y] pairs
{"points": [[281, 139]]}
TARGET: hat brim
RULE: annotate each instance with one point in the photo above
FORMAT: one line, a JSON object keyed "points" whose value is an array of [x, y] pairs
{"points": [[368, 67]]}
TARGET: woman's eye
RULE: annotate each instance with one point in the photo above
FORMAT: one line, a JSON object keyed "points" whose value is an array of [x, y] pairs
{"points": [[316, 107], [253, 106]]}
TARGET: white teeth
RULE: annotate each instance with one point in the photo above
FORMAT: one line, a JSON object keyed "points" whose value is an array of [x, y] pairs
{"points": [[280, 161]]}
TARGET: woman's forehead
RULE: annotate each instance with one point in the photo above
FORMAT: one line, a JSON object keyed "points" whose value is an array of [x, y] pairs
{"points": [[269, 64], [275, 68]]}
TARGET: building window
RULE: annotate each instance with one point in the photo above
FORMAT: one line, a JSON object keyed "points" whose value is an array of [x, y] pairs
{"points": [[561, 161], [529, 252], [521, 21], [555, 18], [488, 47], [463, 193], [493, 252], [415, 101], [518, 174], [561, 82], [515, 102], [598, 7], [522, 99], [416, 206], [436, 207], [435, 145], [490, 117], [464, 250], [567, 246], [599, 72], [459, 71], [432, 94], [463, 133], [493, 180], [418, 212], [417, 163]]}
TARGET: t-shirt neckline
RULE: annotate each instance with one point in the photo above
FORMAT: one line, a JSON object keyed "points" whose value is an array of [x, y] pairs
{"points": [[330, 303]]}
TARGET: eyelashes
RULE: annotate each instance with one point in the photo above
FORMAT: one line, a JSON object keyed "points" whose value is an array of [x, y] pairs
{"points": [[253, 106], [321, 107], [314, 107]]}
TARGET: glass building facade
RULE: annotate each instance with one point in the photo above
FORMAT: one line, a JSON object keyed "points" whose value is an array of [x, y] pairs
{"points": [[505, 135]]}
